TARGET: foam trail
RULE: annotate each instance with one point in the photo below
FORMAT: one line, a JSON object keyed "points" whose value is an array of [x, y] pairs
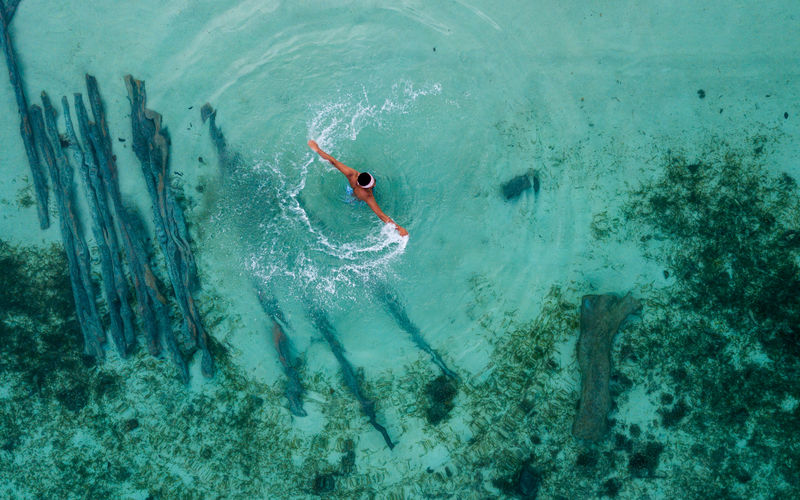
{"points": [[282, 237], [321, 261], [316, 259], [347, 117]]}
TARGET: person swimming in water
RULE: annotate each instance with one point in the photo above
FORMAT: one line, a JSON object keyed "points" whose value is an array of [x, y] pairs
{"points": [[361, 183]]}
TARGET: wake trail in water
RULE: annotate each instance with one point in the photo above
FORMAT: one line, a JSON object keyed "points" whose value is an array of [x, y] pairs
{"points": [[346, 117], [286, 243]]}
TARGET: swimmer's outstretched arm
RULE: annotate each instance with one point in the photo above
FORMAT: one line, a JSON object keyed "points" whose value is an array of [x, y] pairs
{"points": [[347, 171], [382, 216]]}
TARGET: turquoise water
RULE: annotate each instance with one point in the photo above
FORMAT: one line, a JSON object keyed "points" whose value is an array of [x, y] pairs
{"points": [[607, 106]]}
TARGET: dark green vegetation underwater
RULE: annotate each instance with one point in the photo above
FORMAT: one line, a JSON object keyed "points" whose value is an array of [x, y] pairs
{"points": [[726, 336], [39, 334], [715, 355], [715, 352], [72, 429]]}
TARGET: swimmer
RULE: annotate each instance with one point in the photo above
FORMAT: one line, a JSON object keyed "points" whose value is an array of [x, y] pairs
{"points": [[361, 183]]}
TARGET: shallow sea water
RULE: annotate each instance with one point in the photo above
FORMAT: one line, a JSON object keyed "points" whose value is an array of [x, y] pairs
{"points": [[609, 105]]}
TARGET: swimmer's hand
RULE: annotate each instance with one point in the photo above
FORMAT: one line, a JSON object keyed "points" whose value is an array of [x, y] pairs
{"points": [[388, 220], [314, 146]]}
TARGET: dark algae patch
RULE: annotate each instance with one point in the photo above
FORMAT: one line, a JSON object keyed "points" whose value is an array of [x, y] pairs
{"points": [[524, 483], [441, 392], [610, 488], [731, 224], [725, 337], [25, 197], [41, 361], [40, 341], [72, 429], [644, 462]]}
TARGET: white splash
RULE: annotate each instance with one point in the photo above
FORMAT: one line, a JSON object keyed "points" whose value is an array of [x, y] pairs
{"points": [[347, 117], [291, 247]]}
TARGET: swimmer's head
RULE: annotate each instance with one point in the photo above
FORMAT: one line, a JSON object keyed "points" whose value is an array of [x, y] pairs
{"points": [[365, 180]]}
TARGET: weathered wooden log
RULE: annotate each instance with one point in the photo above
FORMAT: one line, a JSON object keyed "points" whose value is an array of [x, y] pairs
{"points": [[151, 145], [217, 137], [320, 320], [37, 172], [294, 389], [11, 9], [227, 159], [169, 336], [398, 312], [151, 304], [115, 286], [107, 188], [521, 183], [82, 289], [181, 235], [65, 185], [601, 317]]}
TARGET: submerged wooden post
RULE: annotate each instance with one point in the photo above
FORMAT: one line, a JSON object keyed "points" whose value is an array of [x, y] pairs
{"points": [[229, 160], [37, 172], [75, 248], [115, 285], [11, 8], [320, 320], [601, 317], [294, 389], [151, 145], [398, 312]]}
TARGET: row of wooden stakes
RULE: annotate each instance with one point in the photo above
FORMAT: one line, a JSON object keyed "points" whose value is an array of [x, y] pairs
{"points": [[115, 228]]}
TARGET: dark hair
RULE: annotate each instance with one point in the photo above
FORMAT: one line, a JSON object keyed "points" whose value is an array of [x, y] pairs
{"points": [[364, 178]]}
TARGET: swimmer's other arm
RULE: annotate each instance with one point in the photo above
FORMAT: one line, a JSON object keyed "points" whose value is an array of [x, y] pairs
{"points": [[347, 171]]}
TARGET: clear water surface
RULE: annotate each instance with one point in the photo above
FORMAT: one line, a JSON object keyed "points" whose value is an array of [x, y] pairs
{"points": [[443, 102]]}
